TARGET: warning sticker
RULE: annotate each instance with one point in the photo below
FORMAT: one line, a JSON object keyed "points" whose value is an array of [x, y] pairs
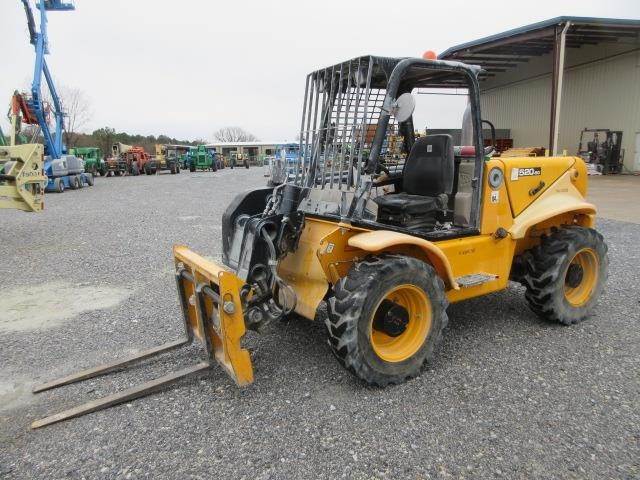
{"points": [[495, 196]]}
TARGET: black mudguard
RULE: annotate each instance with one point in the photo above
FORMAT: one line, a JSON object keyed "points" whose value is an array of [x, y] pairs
{"points": [[249, 203]]}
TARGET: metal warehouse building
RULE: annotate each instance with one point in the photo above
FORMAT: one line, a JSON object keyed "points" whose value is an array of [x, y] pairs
{"points": [[548, 81]]}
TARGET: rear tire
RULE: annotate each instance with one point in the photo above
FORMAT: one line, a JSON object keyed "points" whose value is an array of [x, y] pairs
{"points": [[566, 274], [90, 180], [79, 181], [386, 318], [58, 185]]}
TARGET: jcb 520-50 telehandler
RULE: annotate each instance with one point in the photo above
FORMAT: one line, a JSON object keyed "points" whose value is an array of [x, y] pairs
{"points": [[388, 229]]}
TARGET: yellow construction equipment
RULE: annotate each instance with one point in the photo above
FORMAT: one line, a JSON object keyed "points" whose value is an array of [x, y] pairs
{"points": [[22, 180], [387, 237], [524, 152]]}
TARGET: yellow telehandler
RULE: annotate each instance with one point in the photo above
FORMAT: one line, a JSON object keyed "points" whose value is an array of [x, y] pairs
{"points": [[388, 237]]}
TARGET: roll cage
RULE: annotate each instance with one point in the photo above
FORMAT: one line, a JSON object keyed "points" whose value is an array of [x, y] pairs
{"points": [[349, 135]]}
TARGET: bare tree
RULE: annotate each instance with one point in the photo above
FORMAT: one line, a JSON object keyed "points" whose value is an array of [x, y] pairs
{"points": [[234, 134], [77, 109]]}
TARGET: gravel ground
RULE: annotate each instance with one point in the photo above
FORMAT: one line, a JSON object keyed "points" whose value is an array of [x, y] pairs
{"points": [[508, 396]]}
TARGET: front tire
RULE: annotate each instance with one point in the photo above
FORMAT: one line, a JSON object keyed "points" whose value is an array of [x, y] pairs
{"points": [[566, 274], [386, 318]]}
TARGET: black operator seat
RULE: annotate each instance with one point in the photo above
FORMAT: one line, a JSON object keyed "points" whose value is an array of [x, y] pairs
{"points": [[427, 182]]}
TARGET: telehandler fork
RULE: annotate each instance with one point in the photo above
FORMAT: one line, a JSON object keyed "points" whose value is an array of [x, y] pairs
{"points": [[218, 328]]}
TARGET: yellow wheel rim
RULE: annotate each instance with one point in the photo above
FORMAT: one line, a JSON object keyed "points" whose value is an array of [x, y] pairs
{"points": [[581, 277], [418, 307]]}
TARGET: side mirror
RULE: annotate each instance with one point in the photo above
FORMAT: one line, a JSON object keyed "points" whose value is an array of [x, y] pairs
{"points": [[403, 107]]}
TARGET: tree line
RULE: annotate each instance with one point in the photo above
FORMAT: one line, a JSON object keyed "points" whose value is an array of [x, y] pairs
{"points": [[105, 137]]}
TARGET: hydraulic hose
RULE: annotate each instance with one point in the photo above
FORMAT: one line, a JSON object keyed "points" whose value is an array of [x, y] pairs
{"points": [[277, 281]]}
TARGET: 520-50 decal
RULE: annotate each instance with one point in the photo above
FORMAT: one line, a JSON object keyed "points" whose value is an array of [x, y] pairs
{"points": [[525, 172]]}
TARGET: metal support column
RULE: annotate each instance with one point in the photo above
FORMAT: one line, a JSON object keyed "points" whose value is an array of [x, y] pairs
{"points": [[557, 78]]}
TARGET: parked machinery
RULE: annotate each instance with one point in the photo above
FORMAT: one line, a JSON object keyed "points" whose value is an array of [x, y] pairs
{"points": [[138, 161], [116, 163], [22, 180], [388, 249], [203, 158], [238, 159], [62, 171], [94, 162], [185, 154], [602, 148], [167, 158]]}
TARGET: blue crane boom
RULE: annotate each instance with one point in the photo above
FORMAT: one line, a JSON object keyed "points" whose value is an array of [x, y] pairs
{"points": [[39, 39]]}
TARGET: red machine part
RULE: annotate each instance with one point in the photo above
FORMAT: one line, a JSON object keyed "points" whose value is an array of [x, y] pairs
{"points": [[20, 106]]}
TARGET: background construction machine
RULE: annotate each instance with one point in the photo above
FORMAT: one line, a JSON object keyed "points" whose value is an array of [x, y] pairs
{"points": [[185, 154], [22, 178], [388, 237], [203, 158], [166, 158], [237, 159], [62, 171], [116, 164], [602, 148], [138, 161], [93, 159]]}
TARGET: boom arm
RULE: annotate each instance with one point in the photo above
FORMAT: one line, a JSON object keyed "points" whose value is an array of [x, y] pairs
{"points": [[52, 139]]}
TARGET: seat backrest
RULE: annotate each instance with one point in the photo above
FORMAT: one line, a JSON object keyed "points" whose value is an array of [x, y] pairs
{"points": [[428, 171]]}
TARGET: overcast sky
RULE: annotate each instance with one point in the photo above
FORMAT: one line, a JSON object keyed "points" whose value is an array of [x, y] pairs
{"points": [[190, 67]]}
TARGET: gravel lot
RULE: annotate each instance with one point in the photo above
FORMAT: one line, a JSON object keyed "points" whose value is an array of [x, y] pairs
{"points": [[508, 396]]}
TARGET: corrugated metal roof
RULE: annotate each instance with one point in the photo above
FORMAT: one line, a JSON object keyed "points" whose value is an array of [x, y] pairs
{"points": [[508, 50], [612, 23]]}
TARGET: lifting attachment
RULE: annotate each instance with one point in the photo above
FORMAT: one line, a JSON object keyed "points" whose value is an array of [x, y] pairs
{"points": [[210, 302]]}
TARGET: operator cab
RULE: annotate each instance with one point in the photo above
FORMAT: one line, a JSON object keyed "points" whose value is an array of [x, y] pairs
{"points": [[371, 164], [426, 186]]}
